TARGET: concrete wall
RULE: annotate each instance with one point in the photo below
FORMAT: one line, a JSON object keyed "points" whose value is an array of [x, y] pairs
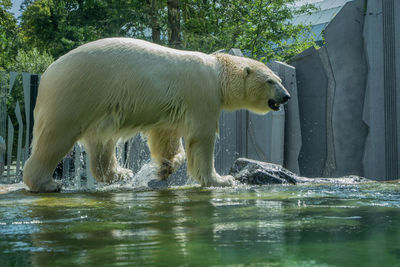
{"points": [[381, 109], [348, 94], [344, 45], [331, 82], [231, 142], [311, 84]]}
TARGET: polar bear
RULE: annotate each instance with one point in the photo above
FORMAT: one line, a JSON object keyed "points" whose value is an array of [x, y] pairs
{"points": [[116, 87]]}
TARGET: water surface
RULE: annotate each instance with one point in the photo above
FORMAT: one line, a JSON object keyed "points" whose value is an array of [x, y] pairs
{"points": [[296, 225]]}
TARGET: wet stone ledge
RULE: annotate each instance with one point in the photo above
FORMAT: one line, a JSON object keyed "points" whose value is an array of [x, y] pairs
{"points": [[254, 172]]}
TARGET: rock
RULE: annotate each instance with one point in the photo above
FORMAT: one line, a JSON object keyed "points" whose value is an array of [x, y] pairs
{"points": [[255, 172]]}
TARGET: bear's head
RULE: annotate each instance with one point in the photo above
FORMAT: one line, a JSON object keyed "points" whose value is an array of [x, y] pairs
{"points": [[250, 84], [263, 88]]}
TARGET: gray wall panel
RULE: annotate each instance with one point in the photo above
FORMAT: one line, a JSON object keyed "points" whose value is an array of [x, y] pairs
{"points": [[311, 84], [277, 138], [344, 44], [397, 62], [330, 163], [373, 114], [259, 136], [265, 137], [389, 76]]}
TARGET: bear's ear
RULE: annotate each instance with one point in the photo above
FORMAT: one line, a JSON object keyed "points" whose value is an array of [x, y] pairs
{"points": [[247, 71], [221, 51]]}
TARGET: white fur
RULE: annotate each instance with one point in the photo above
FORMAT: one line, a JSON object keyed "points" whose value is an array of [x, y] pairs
{"points": [[114, 88]]}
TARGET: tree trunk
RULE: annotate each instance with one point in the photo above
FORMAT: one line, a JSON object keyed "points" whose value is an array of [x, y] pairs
{"points": [[155, 25], [174, 23]]}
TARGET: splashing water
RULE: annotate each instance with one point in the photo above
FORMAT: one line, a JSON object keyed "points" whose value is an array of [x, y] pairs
{"points": [[77, 177]]}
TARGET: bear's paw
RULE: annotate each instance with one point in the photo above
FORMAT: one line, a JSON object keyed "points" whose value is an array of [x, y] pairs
{"points": [[221, 181], [53, 186]]}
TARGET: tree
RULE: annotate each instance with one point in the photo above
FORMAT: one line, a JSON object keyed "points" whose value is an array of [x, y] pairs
{"points": [[261, 28], [61, 25], [9, 41], [174, 23], [153, 13], [31, 61]]}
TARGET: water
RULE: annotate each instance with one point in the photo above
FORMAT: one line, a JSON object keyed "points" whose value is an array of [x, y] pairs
{"points": [[296, 225]]}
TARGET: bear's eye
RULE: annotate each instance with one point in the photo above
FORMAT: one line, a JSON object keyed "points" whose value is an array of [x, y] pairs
{"points": [[270, 82]]}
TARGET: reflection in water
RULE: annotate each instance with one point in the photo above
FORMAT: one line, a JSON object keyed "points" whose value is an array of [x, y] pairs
{"points": [[355, 225]]}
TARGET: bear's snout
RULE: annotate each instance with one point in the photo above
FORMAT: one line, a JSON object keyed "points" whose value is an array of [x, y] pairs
{"points": [[281, 94], [275, 103], [286, 98]]}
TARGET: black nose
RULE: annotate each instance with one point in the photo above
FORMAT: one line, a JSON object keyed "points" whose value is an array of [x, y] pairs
{"points": [[286, 98]]}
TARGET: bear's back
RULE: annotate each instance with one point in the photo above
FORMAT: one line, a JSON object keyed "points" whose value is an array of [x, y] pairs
{"points": [[129, 75], [124, 57]]}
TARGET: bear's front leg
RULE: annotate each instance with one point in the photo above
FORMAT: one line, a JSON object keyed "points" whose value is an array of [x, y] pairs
{"points": [[200, 160]]}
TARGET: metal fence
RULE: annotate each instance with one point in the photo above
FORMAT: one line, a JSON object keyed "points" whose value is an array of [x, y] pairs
{"points": [[16, 121], [18, 93]]}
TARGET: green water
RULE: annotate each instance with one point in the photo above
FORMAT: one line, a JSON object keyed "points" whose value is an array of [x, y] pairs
{"points": [[352, 225]]}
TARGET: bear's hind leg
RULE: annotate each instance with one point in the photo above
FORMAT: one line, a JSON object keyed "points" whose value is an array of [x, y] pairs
{"points": [[48, 148], [166, 150], [103, 162]]}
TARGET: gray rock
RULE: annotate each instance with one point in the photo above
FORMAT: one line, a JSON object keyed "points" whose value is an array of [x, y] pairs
{"points": [[254, 172]]}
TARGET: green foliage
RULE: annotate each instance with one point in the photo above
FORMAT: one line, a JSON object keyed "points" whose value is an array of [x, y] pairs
{"points": [[261, 28], [31, 61], [14, 54], [61, 25], [8, 34]]}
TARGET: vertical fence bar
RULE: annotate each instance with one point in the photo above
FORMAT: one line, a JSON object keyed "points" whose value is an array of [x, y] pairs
{"points": [[121, 153], [66, 167], [19, 144], [10, 135], [13, 77], [33, 95], [78, 166], [3, 115], [26, 82], [89, 176], [10, 138]]}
